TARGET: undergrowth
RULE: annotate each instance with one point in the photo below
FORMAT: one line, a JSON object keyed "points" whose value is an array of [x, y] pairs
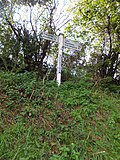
{"points": [[76, 121]]}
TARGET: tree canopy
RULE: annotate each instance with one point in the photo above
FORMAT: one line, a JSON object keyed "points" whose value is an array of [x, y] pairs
{"points": [[98, 23], [23, 31], [95, 23]]}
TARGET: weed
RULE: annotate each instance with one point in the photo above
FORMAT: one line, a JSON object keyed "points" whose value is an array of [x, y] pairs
{"points": [[76, 121]]}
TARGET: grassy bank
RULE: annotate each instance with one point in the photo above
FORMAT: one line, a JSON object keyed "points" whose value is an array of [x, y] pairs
{"points": [[76, 121]]}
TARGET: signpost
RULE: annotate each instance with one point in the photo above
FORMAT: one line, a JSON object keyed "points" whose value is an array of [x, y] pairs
{"points": [[62, 43], [59, 61]]}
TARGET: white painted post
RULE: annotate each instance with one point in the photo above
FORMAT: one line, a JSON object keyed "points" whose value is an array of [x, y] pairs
{"points": [[59, 61]]}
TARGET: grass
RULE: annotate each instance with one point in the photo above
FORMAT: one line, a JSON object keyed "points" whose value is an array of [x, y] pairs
{"points": [[76, 121]]}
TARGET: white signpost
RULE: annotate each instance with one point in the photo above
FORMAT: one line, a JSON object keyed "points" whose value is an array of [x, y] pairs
{"points": [[62, 43], [59, 60]]}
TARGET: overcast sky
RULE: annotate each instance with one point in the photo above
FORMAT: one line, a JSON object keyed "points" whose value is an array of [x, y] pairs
{"points": [[62, 14], [61, 17]]}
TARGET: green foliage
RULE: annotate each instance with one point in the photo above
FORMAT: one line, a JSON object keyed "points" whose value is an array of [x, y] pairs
{"points": [[96, 24], [21, 46], [108, 84], [76, 121]]}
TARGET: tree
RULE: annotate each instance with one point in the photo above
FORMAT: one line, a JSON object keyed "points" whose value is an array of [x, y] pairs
{"points": [[24, 34], [99, 22], [10, 48]]}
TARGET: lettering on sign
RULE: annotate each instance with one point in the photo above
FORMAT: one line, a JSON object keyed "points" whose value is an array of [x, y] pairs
{"points": [[67, 43], [72, 45], [50, 37]]}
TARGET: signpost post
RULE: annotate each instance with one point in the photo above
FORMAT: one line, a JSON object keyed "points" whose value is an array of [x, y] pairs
{"points": [[59, 61], [62, 43]]}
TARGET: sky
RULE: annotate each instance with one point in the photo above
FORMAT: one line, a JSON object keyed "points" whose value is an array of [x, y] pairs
{"points": [[61, 12], [60, 17]]}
